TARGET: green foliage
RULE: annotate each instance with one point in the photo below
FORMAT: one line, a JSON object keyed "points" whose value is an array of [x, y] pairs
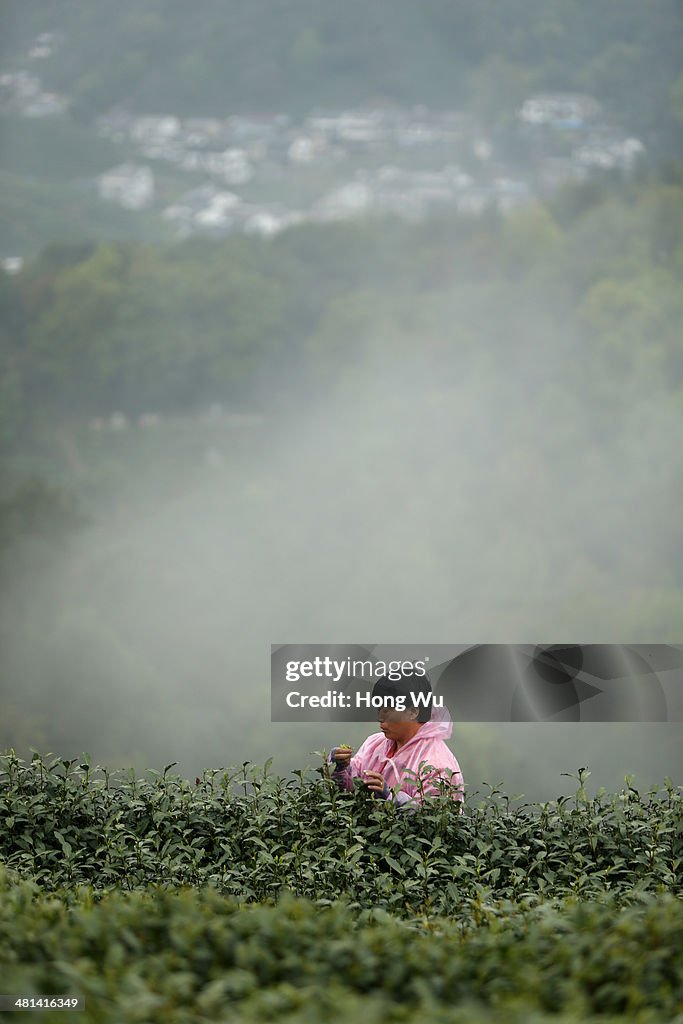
{"points": [[185, 956], [253, 834], [131, 328], [511, 387], [34, 211], [121, 326], [248, 897]]}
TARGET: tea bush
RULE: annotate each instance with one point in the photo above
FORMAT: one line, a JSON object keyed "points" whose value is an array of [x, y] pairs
{"points": [[190, 956], [252, 834]]}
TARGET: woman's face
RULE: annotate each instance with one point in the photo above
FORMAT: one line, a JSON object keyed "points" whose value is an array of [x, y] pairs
{"points": [[397, 725]]}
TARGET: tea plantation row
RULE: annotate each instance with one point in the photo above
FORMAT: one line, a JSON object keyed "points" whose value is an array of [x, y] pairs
{"points": [[193, 956], [247, 897], [252, 834]]}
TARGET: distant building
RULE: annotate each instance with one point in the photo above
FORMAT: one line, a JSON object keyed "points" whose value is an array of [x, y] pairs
{"points": [[45, 44], [205, 206], [234, 166], [22, 92], [118, 422], [349, 127], [264, 224], [270, 221], [155, 128], [20, 85], [130, 185], [482, 149], [610, 153], [219, 211], [244, 129], [559, 110], [200, 131], [347, 201], [417, 134], [47, 104], [12, 264], [302, 150]]}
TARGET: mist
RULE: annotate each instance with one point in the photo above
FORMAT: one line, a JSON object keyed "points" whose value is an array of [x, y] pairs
{"points": [[460, 426], [379, 513]]}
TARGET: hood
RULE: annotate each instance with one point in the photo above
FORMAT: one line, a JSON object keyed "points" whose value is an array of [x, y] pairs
{"points": [[440, 726]]}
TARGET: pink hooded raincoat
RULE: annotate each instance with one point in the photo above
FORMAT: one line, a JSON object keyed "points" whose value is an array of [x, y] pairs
{"points": [[379, 754]]}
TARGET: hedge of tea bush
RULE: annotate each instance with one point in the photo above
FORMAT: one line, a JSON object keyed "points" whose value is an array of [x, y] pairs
{"points": [[252, 834], [195, 955]]}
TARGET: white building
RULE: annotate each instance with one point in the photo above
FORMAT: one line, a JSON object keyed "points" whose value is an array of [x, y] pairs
{"points": [[347, 201], [200, 131], [234, 166], [610, 153], [270, 222], [155, 128], [47, 104], [302, 150], [45, 44], [12, 264], [20, 85], [219, 211], [130, 185]]}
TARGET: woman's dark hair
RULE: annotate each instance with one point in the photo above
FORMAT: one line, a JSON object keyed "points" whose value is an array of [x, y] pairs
{"points": [[404, 687]]}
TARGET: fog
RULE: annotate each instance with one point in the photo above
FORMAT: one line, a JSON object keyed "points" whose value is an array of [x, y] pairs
{"points": [[475, 440], [375, 515]]}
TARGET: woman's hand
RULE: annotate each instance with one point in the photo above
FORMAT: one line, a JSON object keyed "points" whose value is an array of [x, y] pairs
{"points": [[342, 755], [376, 782]]}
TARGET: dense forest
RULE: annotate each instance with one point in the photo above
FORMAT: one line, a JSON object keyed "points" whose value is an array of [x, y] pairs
{"points": [[94, 327]]}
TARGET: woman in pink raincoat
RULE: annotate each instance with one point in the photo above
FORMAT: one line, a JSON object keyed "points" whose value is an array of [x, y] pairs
{"points": [[407, 739]]}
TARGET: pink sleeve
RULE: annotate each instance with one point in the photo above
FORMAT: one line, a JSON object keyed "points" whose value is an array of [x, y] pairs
{"points": [[341, 776]]}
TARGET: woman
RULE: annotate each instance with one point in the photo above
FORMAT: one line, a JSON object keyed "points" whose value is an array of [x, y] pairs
{"points": [[407, 738]]}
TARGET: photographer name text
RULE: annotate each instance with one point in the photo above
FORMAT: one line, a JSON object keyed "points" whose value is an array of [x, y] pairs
{"points": [[339, 699]]}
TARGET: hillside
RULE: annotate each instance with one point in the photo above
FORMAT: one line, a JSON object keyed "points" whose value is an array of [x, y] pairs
{"points": [[295, 54]]}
